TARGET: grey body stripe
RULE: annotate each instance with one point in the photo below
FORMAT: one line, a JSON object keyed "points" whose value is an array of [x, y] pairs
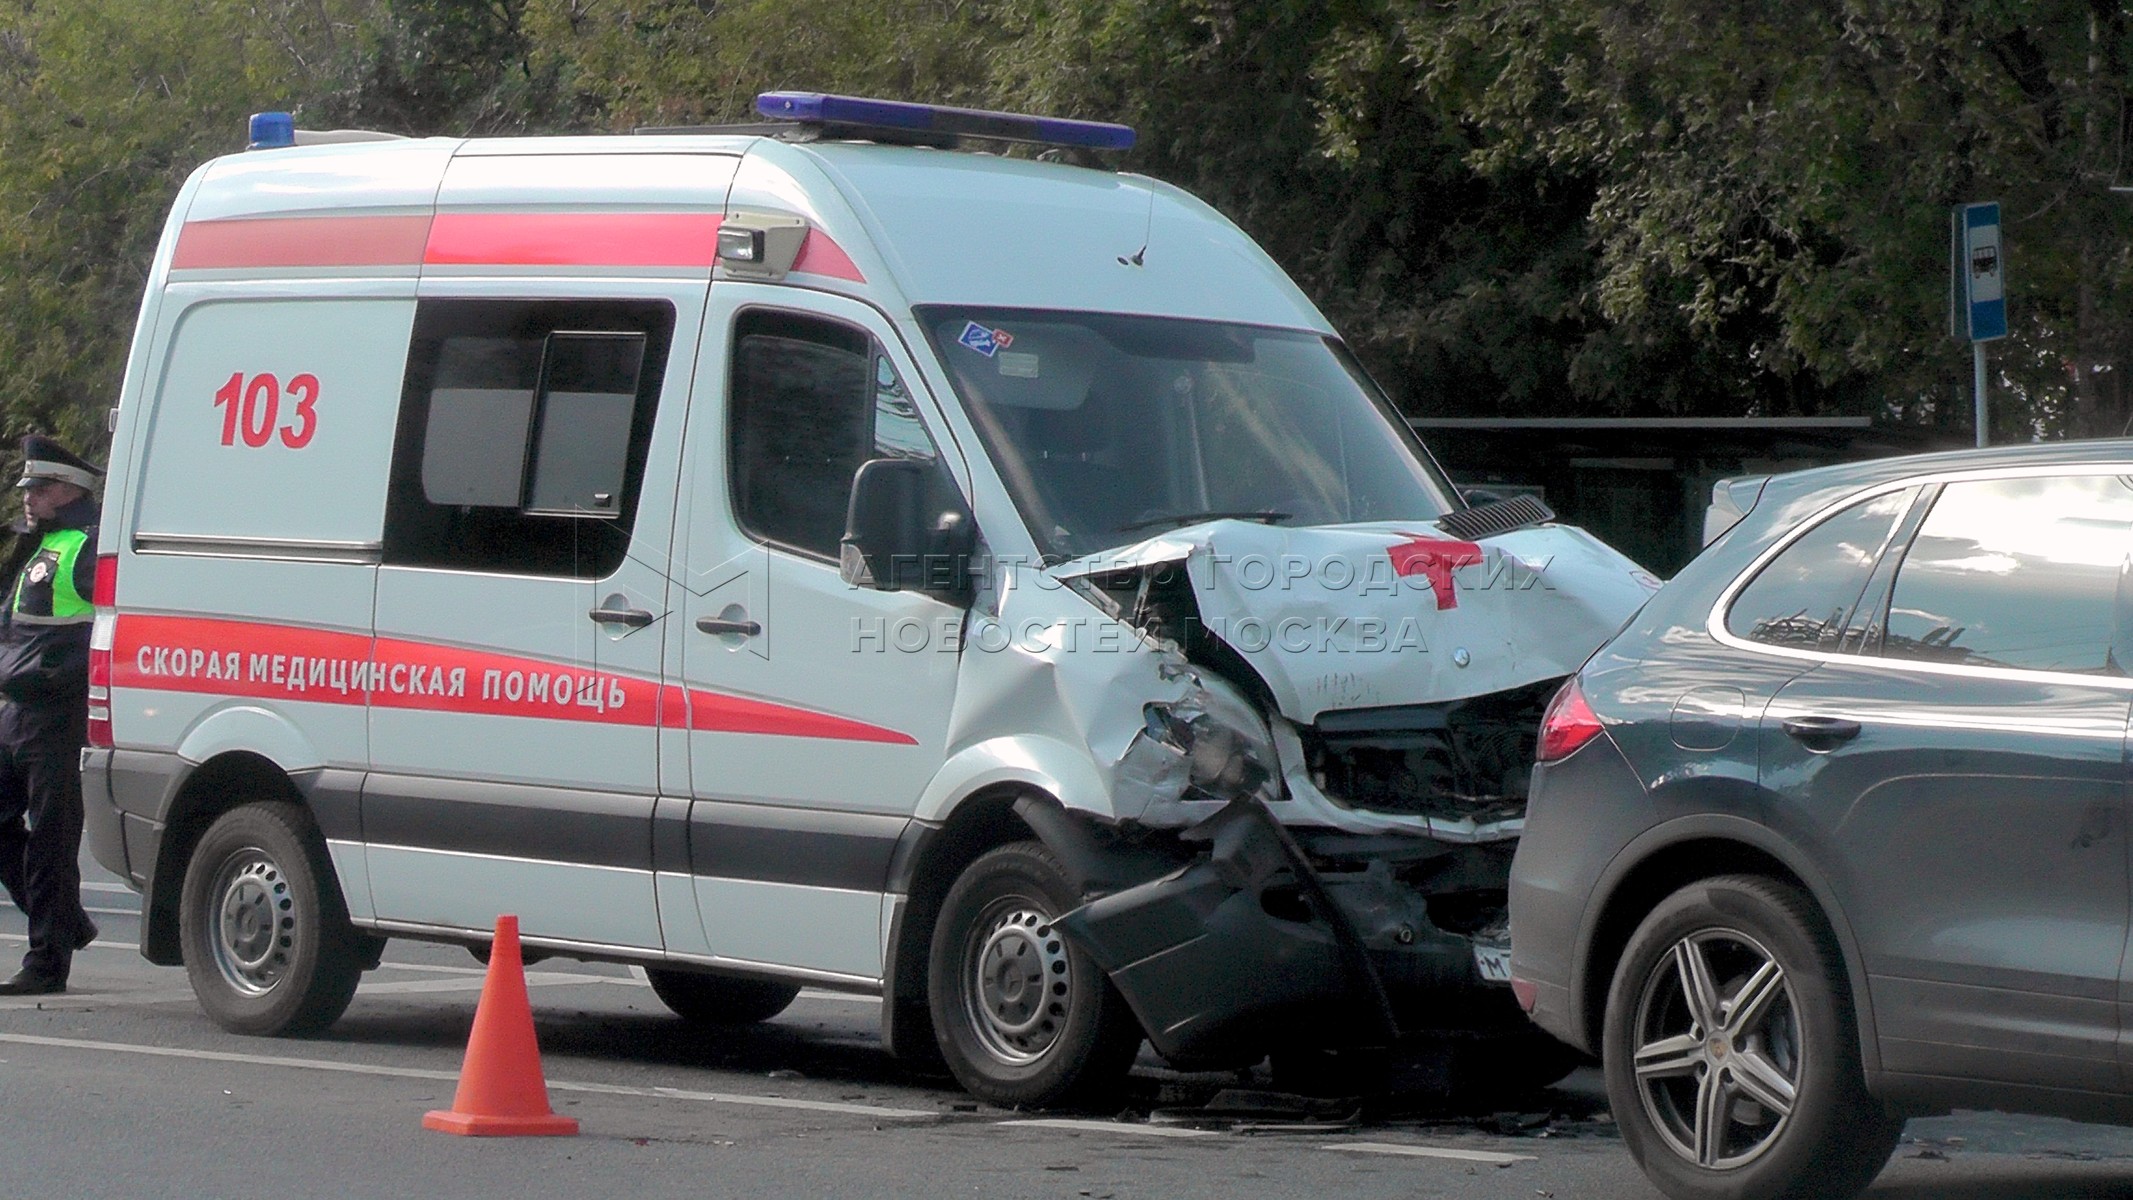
{"points": [[509, 820], [803, 846]]}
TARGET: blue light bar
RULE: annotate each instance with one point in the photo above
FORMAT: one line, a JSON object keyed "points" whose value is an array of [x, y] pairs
{"points": [[271, 131], [937, 122]]}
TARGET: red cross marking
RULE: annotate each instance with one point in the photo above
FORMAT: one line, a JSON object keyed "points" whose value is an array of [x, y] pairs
{"points": [[1435, 559]]}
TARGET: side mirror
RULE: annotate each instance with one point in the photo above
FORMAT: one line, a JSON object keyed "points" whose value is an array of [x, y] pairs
{"points": [[908, 530]]}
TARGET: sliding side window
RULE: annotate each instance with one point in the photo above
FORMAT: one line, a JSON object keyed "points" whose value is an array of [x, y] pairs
{"points": [[522, 436]]}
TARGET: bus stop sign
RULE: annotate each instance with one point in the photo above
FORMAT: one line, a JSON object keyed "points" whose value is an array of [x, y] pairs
{"points": [[1982, 269]]}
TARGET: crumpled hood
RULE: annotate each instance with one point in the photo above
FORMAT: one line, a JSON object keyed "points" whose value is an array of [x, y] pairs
{"points": [[1369, 616]]}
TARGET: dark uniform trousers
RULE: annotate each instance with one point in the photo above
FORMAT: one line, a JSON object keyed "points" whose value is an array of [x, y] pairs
{"points": [[40, 830]]}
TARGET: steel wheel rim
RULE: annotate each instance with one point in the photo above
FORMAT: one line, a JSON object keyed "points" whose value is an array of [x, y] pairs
{"points": [[1017, 983], [253, 934], [1718, 1056]]}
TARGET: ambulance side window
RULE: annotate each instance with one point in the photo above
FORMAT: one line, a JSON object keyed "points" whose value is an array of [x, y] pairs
{"points": [[812, 401], [522, 436]]}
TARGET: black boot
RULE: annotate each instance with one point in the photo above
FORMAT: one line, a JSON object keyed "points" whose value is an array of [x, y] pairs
{"points": [[32, 983]]}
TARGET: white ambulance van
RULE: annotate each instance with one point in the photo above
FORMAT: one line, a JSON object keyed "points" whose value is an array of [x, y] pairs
{"points": [[809, 555]]}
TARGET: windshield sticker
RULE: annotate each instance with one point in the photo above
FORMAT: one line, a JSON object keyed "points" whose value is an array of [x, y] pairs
{"points": [[1017, 366], [987, 342]]}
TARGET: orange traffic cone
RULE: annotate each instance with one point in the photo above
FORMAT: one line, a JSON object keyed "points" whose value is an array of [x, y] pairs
{"points": [[501, 1092]]}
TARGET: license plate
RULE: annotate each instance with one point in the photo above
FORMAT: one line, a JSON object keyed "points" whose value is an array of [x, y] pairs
{"points": [[1494, 962]]}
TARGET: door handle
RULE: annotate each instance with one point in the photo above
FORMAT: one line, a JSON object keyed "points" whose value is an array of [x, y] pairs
{"points": [[717, 625], [635, 618], [1820, 733]]}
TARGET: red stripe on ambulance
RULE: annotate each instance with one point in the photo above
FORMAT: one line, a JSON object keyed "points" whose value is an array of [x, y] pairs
{"points": [[820, 255], [301, 242], [712, 712], [605, 239], [573, 240], [257, 660]]}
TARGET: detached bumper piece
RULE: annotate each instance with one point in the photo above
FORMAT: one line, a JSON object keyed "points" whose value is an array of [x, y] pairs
{"points": [[1250, 948]]}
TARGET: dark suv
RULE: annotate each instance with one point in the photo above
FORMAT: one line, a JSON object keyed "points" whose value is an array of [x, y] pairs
{"points": [[1834, 831]]}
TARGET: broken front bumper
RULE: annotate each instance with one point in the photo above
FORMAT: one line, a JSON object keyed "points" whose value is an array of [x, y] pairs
{"points": [[1249, 947]]}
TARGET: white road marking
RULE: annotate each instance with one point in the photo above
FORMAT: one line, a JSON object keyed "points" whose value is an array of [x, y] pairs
{"points": [[1079, 1126], [554, 1085], [84, 1001], [1473, 1156], [463, 983], [98, 944]]}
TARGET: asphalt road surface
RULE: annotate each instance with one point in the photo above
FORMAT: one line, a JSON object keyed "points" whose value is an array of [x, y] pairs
{"points": [[121, 1087]]}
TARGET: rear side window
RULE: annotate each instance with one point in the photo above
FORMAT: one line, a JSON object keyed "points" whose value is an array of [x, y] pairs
{"points": [[1803, 597], [523, 431], [812, 401], [271, 423], [2022, 573]]}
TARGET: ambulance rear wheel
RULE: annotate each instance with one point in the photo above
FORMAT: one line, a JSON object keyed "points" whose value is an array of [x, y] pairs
{"points": [[720, 999], [266, 942], [1023, 1018]]}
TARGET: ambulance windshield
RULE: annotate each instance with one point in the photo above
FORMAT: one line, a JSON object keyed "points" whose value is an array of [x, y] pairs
{"points": [[1108, 429]]}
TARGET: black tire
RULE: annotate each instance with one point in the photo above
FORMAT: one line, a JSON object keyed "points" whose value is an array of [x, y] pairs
{"points": [[264, 934], [1706, 1111], [720, 999], [1023, 1018]]}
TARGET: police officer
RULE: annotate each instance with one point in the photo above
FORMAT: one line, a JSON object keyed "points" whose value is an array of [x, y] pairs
{"points": [[44, 695]]}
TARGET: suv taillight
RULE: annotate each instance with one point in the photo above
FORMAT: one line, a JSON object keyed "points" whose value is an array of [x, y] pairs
{"points": [[101, 636], [1568, 723]]}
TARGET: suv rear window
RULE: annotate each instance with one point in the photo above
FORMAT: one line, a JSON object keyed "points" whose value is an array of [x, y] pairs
{"points": [[1803, 597]]}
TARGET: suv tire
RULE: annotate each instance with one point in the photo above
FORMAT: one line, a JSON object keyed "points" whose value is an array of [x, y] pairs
{"points": [[1732, 1053]]}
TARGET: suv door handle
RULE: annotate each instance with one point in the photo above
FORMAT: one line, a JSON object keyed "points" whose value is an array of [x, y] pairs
{"points": [[635, 618], [1820, 733], [716, 625]]}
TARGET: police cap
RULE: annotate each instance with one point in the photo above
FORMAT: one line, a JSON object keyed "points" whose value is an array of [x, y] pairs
{"points": [[45, 458]]}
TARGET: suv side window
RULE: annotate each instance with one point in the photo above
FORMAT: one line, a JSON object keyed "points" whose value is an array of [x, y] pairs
{"points": [[523, 432], [2025, 573], [812, 401], [1802, 597]]}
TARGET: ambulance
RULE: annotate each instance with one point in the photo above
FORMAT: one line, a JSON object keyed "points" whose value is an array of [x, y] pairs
{"points": [[810, 554]]}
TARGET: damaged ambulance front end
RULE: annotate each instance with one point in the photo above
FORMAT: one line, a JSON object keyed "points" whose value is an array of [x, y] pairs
{"points": [[1301, 680]]}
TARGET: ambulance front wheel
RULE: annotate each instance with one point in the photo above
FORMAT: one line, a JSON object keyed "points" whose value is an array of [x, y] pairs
{"points": [[266, 942], [1023, 1018]]}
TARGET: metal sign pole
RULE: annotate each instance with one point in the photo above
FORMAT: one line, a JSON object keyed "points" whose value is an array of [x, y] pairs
{"points": [[1977, 384]]}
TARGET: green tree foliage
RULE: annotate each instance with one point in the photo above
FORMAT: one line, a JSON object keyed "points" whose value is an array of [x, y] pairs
{"points": [[105, 107], [448, 67], [1308, 123], [694, 62], [1773, 180], [1511, 207]]}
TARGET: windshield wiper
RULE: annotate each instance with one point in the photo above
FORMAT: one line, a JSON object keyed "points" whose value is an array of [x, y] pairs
{"points": [[1262, 515]]}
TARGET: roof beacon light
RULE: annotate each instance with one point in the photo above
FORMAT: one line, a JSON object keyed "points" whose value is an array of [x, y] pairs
{"points": [[933, 122], [271, 131]]}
